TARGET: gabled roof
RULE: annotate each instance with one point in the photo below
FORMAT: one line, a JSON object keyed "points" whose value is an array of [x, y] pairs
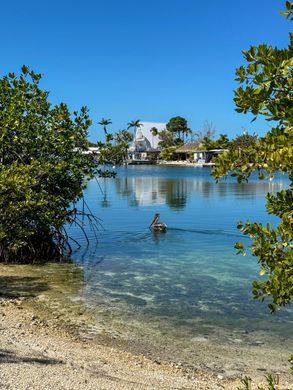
{"points": [[188, 148], [146, 131]]}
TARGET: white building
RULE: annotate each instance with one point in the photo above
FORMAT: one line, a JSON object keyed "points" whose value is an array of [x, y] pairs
{"points": [[145, 142], [92, 150], [146, 131]]}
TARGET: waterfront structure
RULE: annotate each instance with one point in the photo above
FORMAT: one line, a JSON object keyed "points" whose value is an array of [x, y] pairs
{"points": [[145, 145], [191, 152], [92, 150], [185, 152], [206, 156]]}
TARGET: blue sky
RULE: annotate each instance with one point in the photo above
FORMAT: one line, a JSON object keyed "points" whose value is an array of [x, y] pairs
{"points": [[146, 59]]}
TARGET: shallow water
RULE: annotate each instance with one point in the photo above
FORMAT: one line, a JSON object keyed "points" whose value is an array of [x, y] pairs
{"points": [[177, 291], [187, 283]]}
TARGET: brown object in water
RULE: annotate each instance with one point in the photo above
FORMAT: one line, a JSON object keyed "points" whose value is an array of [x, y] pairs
{"points": [[156, 225]]}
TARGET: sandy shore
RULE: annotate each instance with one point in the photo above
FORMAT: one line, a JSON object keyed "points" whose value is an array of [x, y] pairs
{"points": [[34, 355], [47, 341]]}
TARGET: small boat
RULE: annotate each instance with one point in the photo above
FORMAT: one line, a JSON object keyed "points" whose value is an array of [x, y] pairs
{"points": [[156, 225]]}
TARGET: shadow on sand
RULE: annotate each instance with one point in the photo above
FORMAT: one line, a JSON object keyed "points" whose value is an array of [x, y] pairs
{"points": [[18, 286], [11, 357]]}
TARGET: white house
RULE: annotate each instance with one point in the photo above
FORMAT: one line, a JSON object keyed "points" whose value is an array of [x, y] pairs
{"points": [[207, 156], [146, 131], [145, 143], [92, 150]]}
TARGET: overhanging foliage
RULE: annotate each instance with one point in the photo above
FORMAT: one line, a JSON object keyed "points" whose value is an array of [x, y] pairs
{"points": [[266, 89], [42, 169]]}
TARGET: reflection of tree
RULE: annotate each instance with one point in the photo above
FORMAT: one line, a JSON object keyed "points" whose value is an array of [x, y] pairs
{"points": [[133, 202], [249, 190], [205, 188], [146, 190], [154, 190], [124, 186], [105, 202], [176, 193], [139, 190]]}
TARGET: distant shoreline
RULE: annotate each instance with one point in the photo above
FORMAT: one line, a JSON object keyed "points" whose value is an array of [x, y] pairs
{"points": [[186, 164], [171, 163]]}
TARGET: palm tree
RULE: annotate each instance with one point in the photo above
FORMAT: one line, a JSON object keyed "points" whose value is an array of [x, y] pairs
{"points": [[105, 122], [154, 131], [185, 133], [134, 124], [123, 136]]}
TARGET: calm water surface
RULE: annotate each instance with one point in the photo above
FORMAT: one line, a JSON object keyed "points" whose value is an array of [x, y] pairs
{"points": [[186, 284]]}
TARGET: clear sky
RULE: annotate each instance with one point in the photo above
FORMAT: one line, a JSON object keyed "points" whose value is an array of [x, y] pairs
{"points": [[143, 59]]}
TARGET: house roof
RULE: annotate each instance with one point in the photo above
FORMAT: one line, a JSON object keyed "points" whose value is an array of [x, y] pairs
{"points": [[188, 148], [146, 131]]}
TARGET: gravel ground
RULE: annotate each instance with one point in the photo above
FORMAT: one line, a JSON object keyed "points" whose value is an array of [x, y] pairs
{"points": [[35, 356], [45, 344]]}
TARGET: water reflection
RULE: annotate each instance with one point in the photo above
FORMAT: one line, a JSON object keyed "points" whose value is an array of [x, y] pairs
{"points": [[176, 192], [171, 289], [157, 235], [187, 280], [145, 191], [140, 190], [105, 202]]}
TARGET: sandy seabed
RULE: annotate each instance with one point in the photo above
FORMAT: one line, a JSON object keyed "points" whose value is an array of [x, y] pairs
{"points": [[45, 343], [35, 355]]}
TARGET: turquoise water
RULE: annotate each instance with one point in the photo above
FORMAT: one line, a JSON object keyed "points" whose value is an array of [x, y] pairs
{"points": [[185, 284]]}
